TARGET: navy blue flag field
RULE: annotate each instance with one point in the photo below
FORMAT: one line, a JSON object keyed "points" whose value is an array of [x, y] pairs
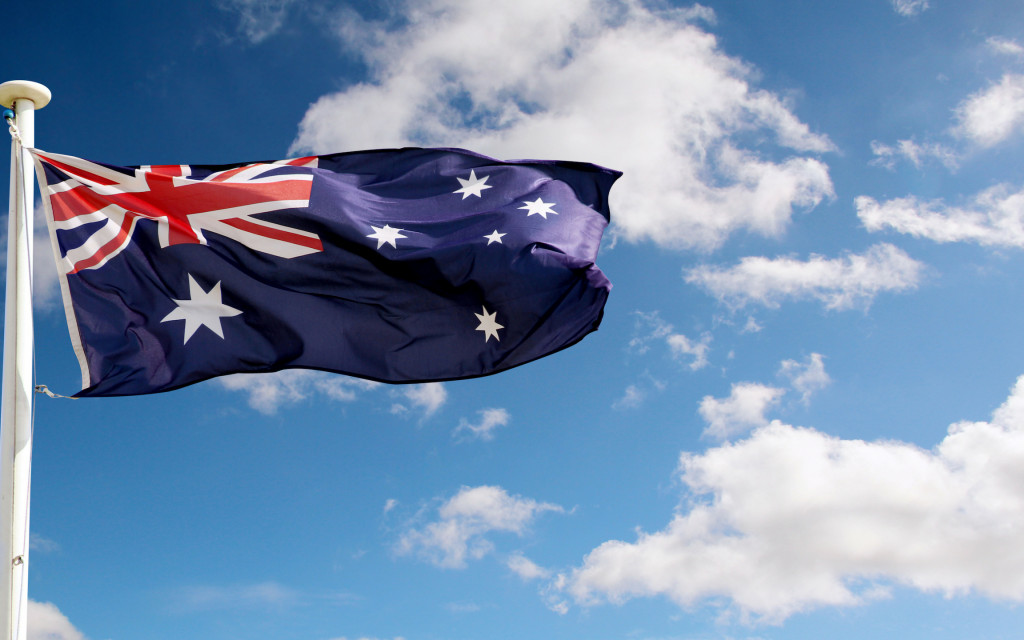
{"points": [[403, 265]]}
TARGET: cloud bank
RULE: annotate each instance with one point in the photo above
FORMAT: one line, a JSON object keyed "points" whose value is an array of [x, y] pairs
{"points": [[791, 519]]}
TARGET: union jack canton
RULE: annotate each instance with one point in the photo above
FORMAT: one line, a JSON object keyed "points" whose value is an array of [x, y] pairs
{"points": [[401, 265]]}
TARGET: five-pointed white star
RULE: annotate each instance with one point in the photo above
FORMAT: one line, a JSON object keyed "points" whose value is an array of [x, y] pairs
{"points": [[488, 324], [204, 309], [387, 234], [474, 186], [539, 206], [495, 237]]}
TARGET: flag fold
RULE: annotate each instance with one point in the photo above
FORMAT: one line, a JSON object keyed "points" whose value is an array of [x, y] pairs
{"points": [[400, 265]]}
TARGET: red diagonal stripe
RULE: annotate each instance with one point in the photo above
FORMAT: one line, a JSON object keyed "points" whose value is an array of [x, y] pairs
{"points": [[221, 177], [167, 169], [76, 202], [275, 234], [109, 247], [75, 171]]}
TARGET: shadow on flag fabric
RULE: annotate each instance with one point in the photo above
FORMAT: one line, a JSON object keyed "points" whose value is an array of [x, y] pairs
{"points": [[403, 265]]}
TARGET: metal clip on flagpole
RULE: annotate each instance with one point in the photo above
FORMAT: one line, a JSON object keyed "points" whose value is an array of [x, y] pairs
{"points": [[24, 98]]}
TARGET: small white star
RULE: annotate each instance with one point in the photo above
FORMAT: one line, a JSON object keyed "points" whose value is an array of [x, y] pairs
{"points": [[539, 206], [474, 186], [387, 234], [495, 237], [204, 310], [488, 324]]}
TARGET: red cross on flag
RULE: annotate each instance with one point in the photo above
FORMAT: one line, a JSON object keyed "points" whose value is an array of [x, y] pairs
{"points": [[184, 208]]}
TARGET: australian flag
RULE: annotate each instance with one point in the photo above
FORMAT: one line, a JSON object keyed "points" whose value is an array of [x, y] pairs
{"points": [[401, 265]]}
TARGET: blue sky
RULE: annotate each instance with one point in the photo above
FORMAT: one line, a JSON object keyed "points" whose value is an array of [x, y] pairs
{"points": [[801, 416]]}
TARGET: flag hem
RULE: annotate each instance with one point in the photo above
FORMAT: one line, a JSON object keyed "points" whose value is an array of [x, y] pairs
{"points": [[62, 277]]}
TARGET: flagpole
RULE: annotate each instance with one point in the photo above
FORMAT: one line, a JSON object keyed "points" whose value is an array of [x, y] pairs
{"points": [[24, 98]]}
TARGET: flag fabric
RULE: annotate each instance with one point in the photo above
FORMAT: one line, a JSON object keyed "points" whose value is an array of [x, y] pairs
{"points": [[400, 265]]}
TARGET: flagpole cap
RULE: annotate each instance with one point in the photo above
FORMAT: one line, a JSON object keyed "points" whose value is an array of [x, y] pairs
{"points": [[14, 89]]}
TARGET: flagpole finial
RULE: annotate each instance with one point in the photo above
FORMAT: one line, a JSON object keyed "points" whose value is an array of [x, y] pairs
{"points": [[14, 89]]}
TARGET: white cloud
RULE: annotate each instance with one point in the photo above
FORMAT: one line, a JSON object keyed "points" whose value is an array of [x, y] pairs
{"points": [[46, 622], [427, 398], [751, 326], [38, 543], [649, 327], [1005, 46], [680, 345], [993, 115], [270, 391], [985, 118], [806, 377], [553, 597], [636, 394], [525, 568], [995, 217], [916, 153], [909, 7], [258, 19], [490, 419], [792, 519], [243, 596], [632, 397], [464, 521], [743, 410], [839, 283], [615, 83], [45, 286], [462, 607]]}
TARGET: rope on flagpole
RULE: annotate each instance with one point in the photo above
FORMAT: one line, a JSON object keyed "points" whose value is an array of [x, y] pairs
{"points": [[13, 128], [42, 388]]}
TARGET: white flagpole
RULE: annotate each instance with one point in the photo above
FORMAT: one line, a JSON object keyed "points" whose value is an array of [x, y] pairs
{"points": [[17, 391]]}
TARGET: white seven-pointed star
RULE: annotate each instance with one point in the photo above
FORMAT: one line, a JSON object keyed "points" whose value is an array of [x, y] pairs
{"points": [[539, 206], [495, 237], [204, 309], [474, 186], [387, 234], [488, 324]]}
